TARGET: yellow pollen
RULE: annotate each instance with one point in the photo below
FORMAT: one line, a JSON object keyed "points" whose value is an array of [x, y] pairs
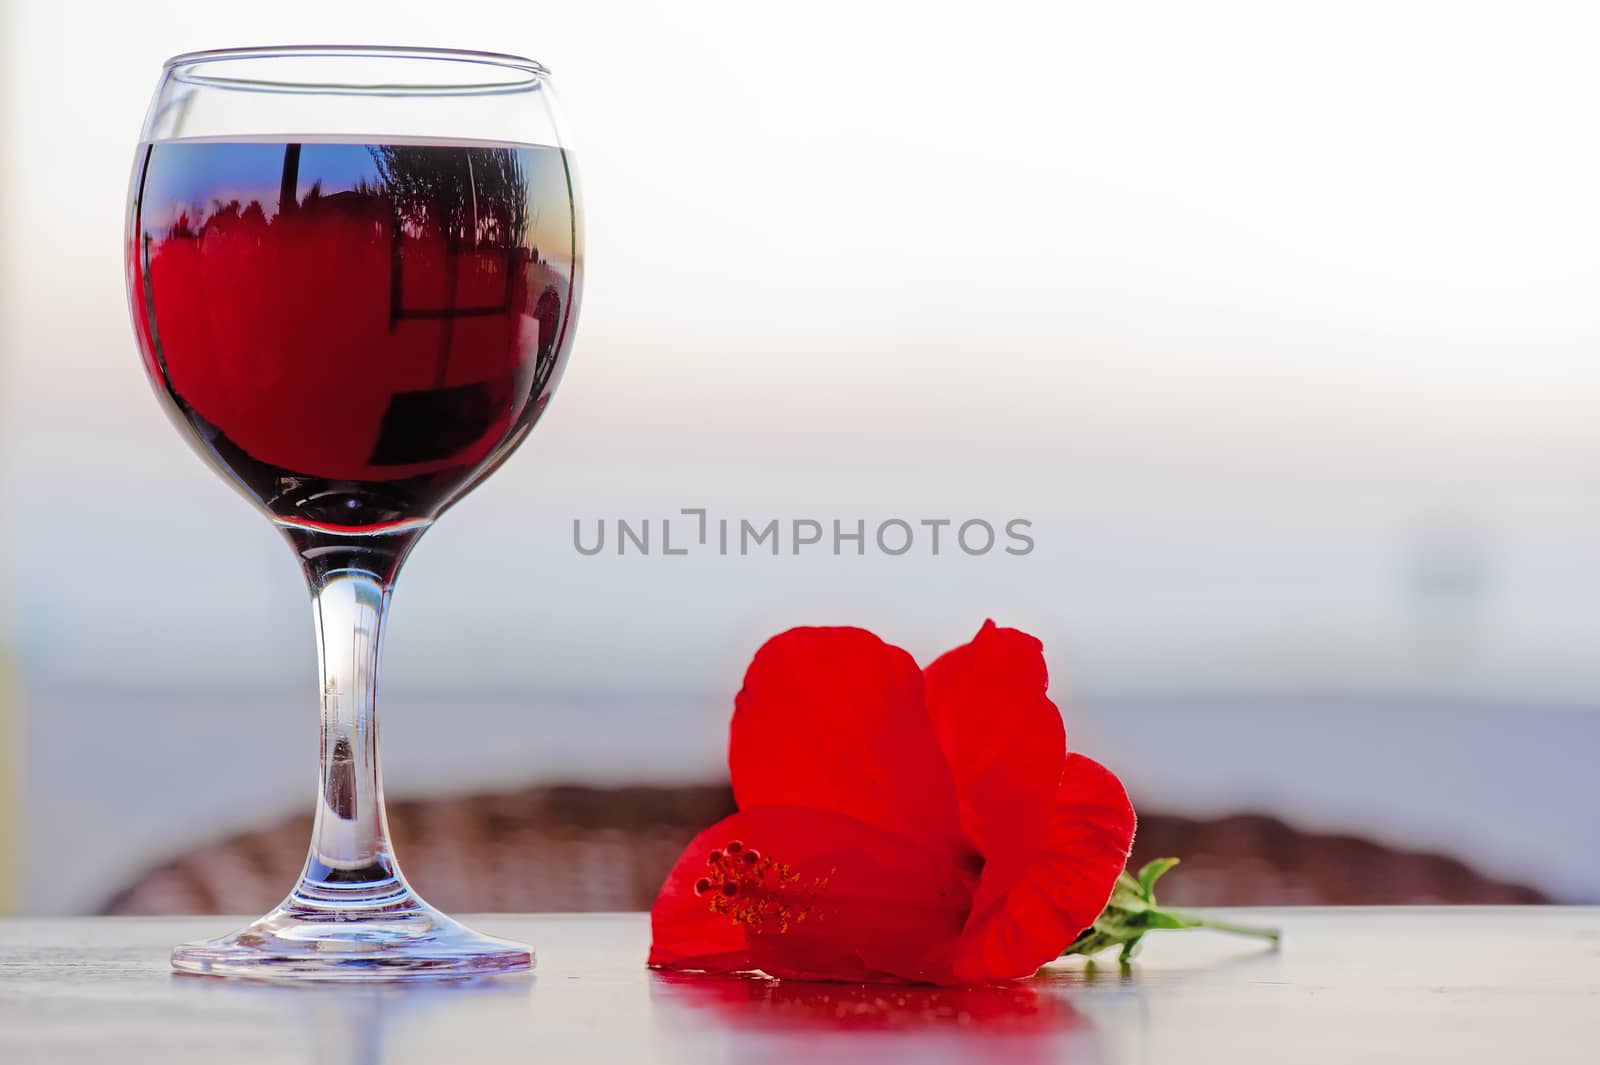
{"points": [[757, 891]]}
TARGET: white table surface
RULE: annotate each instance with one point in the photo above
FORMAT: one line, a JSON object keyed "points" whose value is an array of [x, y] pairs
{"points": [[1512, 985]]}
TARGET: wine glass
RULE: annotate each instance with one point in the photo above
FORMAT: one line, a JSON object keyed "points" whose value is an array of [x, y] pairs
{"points": [[354, 274]]}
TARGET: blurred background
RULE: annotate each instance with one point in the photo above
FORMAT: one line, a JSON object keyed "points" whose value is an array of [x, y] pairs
{"points": [[1278, 322]]}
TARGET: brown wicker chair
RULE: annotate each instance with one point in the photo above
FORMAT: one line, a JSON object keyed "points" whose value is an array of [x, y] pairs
{"points": [[583, 848]]}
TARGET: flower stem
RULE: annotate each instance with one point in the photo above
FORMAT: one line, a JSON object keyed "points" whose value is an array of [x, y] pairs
{"points": [[1133, 911], [1194, 920]]}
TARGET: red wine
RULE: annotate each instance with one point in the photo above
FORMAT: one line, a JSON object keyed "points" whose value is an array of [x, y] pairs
{"points": [[354, 333]]}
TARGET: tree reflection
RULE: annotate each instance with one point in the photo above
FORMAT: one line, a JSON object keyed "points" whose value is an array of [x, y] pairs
{"points": [[477, 196]]}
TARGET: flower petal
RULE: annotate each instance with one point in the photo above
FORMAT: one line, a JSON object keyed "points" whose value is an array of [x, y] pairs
{"points": [[1065, 886], [833, 719], [685, 933], [825, 897], [1005, 744]]}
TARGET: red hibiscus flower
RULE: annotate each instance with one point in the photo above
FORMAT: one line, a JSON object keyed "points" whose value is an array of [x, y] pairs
{"points": [[896, 823]]}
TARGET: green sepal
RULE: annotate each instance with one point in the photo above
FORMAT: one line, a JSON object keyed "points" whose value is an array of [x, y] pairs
{"points": [[1153, 871], [1132, 911]]}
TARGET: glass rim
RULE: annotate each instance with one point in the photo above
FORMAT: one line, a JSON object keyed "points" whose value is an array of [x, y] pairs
{"points": [[532, 69]]}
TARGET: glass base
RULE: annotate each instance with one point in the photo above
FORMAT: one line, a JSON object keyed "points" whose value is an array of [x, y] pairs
{"points": [[408, 941]]}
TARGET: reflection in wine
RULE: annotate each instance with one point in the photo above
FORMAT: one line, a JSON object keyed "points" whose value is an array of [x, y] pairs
{"points": [[354, 333]]}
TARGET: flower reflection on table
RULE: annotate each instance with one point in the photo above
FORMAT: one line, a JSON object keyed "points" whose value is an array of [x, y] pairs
{"points": [[781, 1020]]}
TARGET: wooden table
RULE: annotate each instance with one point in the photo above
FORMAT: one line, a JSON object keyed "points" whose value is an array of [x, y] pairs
{"points": [[1507, 985]]}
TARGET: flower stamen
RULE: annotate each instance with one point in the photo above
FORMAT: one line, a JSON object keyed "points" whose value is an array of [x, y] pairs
{"points": [[754, 890]]}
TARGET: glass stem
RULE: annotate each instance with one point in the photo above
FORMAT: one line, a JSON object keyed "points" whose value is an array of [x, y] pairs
{"points": [[351, 577]]}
